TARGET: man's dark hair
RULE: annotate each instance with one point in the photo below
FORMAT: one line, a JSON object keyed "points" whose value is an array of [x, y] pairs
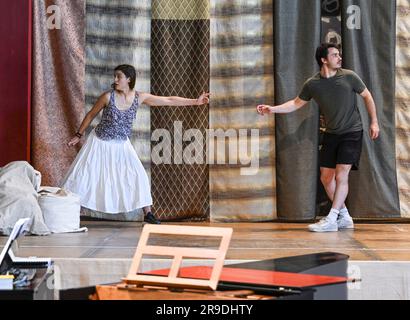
{"points": [[129, 72], [323, 51]]}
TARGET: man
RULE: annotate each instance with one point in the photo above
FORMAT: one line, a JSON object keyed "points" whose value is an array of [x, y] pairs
{"points": [[334, 89]]}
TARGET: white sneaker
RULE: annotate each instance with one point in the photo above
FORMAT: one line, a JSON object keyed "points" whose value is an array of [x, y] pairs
{"points": [[344, 222], [324, 225]]}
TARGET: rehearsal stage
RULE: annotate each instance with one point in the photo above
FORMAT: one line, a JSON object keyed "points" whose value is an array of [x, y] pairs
{"points": [[379, 252]]}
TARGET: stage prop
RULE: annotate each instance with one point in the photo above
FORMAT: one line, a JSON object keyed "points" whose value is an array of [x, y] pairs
{"points": [[179, 253], [31, 276], [19, 186], [314, 276], [61, 210]]}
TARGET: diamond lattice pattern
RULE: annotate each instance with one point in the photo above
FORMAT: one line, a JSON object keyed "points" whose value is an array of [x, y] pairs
{"points": [[180, 67]]}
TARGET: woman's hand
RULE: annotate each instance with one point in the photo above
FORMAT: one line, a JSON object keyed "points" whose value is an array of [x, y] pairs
{"points": [[203, 98], [74, 141]]}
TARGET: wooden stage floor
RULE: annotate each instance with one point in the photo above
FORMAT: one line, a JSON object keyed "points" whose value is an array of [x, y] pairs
{"points": [[250, 241]]}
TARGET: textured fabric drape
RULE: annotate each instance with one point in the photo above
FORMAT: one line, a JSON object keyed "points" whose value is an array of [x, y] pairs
{"points": [[119, 32], [296, 36], [242, 77], [57, 85], [402, 104], [369, 50], [180, 67]]}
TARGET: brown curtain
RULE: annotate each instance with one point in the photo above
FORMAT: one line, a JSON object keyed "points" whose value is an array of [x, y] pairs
{"points": [[180, 67], [57, 87]]}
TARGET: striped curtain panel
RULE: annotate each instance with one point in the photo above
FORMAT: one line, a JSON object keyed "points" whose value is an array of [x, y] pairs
{"points": [[369, 49], [402, 104], [119, 32], [57, 85], [179, 67], [241, 188]]}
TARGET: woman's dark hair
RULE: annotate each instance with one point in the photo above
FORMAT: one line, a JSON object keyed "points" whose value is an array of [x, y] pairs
{"points": [[323, 51], [129, 72]]}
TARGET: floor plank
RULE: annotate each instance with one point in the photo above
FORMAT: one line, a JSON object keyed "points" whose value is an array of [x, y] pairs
{"points": [[250, 241]]}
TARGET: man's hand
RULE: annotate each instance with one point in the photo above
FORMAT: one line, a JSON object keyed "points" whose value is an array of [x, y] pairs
{"points": [[371, 109], [263, 109], [374, 130]]}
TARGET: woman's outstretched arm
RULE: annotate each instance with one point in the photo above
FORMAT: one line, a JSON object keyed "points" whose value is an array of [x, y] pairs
{"points": [[153, 100]]}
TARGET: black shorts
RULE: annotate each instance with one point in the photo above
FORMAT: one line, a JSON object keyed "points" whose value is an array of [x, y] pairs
{"points": [[341, 149]]}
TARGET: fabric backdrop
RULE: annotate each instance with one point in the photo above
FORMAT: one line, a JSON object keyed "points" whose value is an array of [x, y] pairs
{"points": [[246, 53], [241, 78], [57, 87], [296, 36], [370, 52], [180, 67]]}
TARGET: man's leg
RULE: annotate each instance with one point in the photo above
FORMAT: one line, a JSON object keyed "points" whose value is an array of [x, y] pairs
{"points": [[344, 220], [342, 185], [335, 182], [328, 179], [329, 223]]}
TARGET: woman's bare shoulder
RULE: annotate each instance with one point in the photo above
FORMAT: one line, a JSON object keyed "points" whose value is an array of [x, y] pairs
{"points": [[106, 94], [105, 97]]}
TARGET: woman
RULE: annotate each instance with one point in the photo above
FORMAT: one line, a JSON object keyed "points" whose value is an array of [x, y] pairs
{"points": [[107, 173]]}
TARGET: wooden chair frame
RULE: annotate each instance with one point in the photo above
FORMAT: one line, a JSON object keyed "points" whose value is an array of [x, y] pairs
{"points": [[178, 253]]}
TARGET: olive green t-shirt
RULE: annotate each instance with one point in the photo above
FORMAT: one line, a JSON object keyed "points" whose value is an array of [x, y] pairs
{"points": [[336, 97]]}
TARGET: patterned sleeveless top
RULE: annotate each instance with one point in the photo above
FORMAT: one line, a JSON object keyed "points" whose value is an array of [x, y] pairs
{"points": [[116, 124]]}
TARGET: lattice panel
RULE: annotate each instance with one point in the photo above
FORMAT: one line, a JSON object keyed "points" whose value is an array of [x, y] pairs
{"points": [[180, 67]]}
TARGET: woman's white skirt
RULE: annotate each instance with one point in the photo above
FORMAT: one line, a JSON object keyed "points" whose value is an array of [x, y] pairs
{"points": [[108, 176]]}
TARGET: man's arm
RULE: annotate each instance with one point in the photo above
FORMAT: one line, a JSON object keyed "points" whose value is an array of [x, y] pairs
{"points": [[371, 109], [290, 106]]}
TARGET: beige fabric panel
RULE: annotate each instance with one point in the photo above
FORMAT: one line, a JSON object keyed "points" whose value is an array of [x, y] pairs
{"points": [[236, 182], [228, 210], [402, 105], [242, 77]]}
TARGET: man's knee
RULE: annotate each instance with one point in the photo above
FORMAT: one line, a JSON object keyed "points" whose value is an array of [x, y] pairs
{"points": [[327, 177], [342, 173]]}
